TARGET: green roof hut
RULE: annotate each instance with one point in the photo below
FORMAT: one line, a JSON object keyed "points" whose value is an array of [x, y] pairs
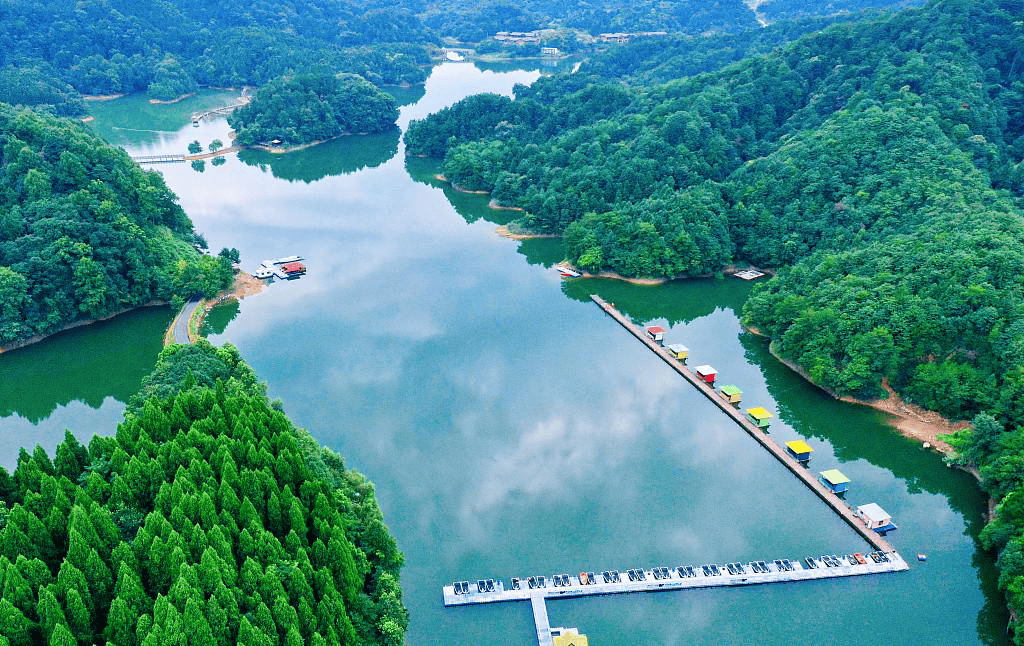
{"points": [[835, 480], [732, 394]]}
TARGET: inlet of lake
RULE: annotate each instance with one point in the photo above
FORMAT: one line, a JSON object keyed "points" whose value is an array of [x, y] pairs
{"points": [[510, 427]]}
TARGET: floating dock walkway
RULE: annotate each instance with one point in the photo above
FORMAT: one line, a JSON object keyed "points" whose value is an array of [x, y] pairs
{"points": [[680, 578], [845, 567], [833, 501]]}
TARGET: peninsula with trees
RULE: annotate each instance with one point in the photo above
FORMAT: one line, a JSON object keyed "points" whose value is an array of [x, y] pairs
{"points": [[309, 108]]}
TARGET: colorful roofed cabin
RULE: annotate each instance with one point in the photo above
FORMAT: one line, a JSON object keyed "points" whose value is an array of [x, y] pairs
{"points": [[656, 332], [834, 480], [293, 268], [760, 416], [875, 518], [678, 350], [732, 394], [706, 373], [799, 450]]}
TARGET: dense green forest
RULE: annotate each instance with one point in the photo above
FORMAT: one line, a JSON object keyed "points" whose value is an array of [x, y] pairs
{"points": [[877, 164], [168, 48], [477, 21], [85, 232], [208, 518], [313, 107]]}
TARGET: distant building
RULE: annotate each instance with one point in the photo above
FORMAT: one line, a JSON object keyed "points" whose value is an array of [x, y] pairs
{"points": [[549, 51], [626, 36], [518, 37]]}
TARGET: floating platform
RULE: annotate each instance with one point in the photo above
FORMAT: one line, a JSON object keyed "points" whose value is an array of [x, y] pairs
{"points": [[749, 274], [800, 571]]}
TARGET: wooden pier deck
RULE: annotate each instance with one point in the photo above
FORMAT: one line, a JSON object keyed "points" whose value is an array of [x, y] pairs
{"points": [[801, 472], [576, 589]]}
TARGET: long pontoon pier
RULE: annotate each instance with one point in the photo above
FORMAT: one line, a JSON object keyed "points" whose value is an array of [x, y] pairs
{"points": [[537, 590], [805, 476], [678, 578]]}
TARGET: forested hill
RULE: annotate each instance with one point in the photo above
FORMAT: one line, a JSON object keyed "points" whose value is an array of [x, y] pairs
{"points": [[85, 232], [306, 108], [476, 21], [170, 47], [207, 519]]}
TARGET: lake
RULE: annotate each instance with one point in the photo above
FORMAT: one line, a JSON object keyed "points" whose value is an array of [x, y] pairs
{"points": [[509, 426]]}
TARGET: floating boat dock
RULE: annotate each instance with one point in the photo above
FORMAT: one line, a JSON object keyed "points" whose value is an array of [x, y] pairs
{"points": [[776, 573], [668, 579], [805, 476]]}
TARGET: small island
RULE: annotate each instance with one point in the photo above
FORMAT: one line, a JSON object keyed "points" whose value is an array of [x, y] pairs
{"points": [[309, 108]]}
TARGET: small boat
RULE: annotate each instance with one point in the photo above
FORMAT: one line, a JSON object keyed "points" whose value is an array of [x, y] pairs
{"points": [[567, 272], [922, 557]]}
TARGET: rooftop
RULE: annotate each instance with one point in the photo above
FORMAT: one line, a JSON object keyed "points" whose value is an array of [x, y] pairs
{"points": [[799, 446], [835, 476], [873, 512], [760, 413]]}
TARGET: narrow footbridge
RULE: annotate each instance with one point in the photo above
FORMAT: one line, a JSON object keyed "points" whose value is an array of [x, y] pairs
{"points": [[159, 159]]}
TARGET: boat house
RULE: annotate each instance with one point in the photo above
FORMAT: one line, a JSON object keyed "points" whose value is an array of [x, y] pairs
{"points": [[679, 351], [656, 332], [706, 373], [834, 480], [760, 416], [875, 518], [732, 394], [799, 450]]}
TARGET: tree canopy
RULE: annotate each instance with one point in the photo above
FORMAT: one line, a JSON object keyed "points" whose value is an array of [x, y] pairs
{"points": [[85, 232], [313, 107], [208, 517]]}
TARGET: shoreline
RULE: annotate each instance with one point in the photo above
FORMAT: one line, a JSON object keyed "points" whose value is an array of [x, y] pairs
{"points": [[907, 419], [245, 285], [17, 345], [101, 97], [504, 232]]}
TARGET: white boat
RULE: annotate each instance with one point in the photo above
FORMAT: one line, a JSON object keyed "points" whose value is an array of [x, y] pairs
{"points": [[285, 260], [263, 273], [568, 272]]}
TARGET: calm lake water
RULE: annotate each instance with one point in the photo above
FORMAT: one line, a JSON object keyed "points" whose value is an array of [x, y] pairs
{"points": [[510, 427]]}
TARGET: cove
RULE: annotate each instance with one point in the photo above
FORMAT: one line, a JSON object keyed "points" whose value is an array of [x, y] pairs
{"points": [[511, 428]]}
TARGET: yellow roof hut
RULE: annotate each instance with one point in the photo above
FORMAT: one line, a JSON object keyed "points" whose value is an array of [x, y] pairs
{"points": [[799, 450], [760, 416]]}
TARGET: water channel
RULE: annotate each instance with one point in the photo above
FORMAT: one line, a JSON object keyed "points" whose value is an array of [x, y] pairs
{"points": [[510, 427]]}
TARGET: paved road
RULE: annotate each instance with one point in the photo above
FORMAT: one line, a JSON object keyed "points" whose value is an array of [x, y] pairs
{"points": [[181, 321]]}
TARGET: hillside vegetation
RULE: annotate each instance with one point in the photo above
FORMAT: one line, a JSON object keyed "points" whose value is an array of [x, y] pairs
{"points": [[85, 232], [208, 518], [169, 48], [313, 107]]}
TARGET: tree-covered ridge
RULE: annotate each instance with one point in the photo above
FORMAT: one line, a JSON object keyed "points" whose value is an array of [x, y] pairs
{"points": [[207, 519], [85, 232], [167, 48], [313, 107]]}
